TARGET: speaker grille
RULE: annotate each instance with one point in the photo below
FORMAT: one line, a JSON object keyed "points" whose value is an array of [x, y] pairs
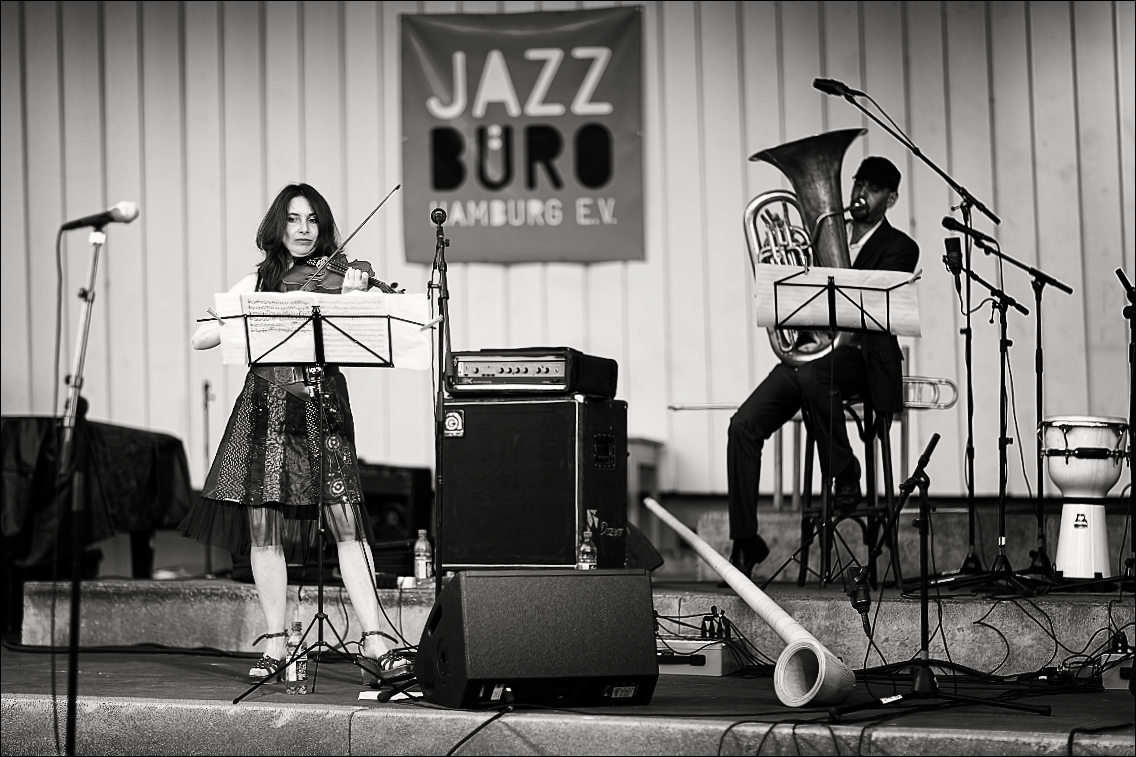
{"points": [[558, 625], [556, 637], [523, 476]]}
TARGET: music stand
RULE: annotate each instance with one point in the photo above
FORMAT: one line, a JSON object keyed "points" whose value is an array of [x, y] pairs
{"points": [[311, 331], [837, 299]]}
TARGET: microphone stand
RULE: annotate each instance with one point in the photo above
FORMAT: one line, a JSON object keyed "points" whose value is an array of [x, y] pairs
{"points": [[1041, 564], [206, 399], [1128, 577], [72, 459], [923, 683], [1000, 576], [971, 564], [443, 289], [906, 142]]}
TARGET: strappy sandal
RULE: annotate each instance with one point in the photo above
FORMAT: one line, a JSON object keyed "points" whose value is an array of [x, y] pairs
{"points": [[266, 666], [389, 668]]}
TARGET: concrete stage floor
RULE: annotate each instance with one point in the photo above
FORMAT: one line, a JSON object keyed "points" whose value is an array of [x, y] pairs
{"points": [[160, 700]]}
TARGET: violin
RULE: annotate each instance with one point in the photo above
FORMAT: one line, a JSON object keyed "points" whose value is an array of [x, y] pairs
{"points": [[327, 276]]}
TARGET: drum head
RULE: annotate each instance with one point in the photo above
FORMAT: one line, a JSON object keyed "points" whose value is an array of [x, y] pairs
{"points": [[1084, 453], [1084, 420]]}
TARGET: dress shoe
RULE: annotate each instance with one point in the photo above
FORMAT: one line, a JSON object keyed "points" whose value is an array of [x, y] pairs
{"points": [[847, 495], [746, 554]]}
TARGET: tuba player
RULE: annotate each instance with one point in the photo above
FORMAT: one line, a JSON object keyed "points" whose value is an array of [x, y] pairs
{"points": [[870, 369]]}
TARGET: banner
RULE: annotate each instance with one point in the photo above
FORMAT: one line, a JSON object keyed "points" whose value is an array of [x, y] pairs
{"points": [[526, 129]]}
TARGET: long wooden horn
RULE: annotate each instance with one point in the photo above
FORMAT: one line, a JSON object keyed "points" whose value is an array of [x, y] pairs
{"points": [[806, 672]]}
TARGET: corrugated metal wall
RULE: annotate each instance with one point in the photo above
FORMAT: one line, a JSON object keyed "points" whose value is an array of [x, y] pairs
{"points": [[200, 111]]}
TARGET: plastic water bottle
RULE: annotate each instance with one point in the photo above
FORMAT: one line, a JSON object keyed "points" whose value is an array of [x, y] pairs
{"points": [[586, 552], [423, 557], [296, 674]]}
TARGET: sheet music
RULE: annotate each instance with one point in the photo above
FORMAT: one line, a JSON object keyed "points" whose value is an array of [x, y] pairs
{"points": [[398, 334], [234, 346], [788, 297], [279, 326], [411, 344], [369, 328]]}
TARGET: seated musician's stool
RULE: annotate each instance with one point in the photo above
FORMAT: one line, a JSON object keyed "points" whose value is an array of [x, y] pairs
{"points": [[871, 516]]}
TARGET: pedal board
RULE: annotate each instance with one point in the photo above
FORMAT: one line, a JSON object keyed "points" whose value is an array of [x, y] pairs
{"points": [[686, 656]]}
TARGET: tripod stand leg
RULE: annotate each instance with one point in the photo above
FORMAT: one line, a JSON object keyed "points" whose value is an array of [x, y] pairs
{"points": [[1036, 709], [801, 555], [835, 714], [400, 688]]}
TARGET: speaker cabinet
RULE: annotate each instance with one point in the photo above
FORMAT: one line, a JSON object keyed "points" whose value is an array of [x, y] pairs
{"points": [[551, 637], [397, 499], [522, 477]]}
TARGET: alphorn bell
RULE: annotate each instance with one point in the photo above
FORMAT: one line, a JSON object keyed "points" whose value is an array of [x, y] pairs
{"points": [[806, 672]]}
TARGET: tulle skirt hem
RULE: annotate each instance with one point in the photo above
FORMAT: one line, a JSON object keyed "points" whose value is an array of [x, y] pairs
{"points": [[237, 527]]}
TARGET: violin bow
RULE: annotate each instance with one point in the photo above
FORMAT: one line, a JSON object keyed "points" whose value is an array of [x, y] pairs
{"points": [[339, 249]]}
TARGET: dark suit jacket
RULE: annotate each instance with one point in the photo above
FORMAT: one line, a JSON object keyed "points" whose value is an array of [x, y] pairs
{"points": [[888, 249]]}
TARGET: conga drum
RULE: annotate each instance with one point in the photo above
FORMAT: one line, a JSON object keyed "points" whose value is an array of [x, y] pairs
{"points": [[1084, 455]]}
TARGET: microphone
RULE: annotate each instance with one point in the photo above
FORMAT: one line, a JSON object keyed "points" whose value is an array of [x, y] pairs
{"points": [[862, 598], [437, 216], [953, 225], [926, 456], [953, 259], [834, 87], [123, 212], [860, 201], [1124, 282]]}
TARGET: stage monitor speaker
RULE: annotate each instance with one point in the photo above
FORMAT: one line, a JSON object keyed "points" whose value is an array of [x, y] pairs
{"points": [[523, 476], [550, 637]]}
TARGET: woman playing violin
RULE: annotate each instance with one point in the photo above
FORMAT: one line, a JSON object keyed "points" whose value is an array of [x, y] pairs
{"points": [[263, 492]]}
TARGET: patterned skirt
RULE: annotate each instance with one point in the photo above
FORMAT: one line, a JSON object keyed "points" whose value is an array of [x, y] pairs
{"points": [[282, 456]]}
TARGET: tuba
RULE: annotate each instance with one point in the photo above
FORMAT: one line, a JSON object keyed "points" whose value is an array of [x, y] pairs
{"points": [[803, 228]]}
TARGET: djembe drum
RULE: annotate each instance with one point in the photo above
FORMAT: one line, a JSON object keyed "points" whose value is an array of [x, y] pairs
{"points": [[1085, 456]]}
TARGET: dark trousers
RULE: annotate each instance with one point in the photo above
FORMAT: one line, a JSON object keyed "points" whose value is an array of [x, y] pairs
{"points": [[819, 387]]}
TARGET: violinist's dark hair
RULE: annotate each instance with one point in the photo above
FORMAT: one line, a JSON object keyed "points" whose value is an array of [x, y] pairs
{"points": [[270, 235]]}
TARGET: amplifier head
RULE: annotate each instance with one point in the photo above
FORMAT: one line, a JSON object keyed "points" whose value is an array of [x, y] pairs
{"points": [[532, 371]]}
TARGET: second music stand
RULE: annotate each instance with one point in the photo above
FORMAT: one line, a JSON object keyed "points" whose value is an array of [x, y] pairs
{"points": [[836, 299]]}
